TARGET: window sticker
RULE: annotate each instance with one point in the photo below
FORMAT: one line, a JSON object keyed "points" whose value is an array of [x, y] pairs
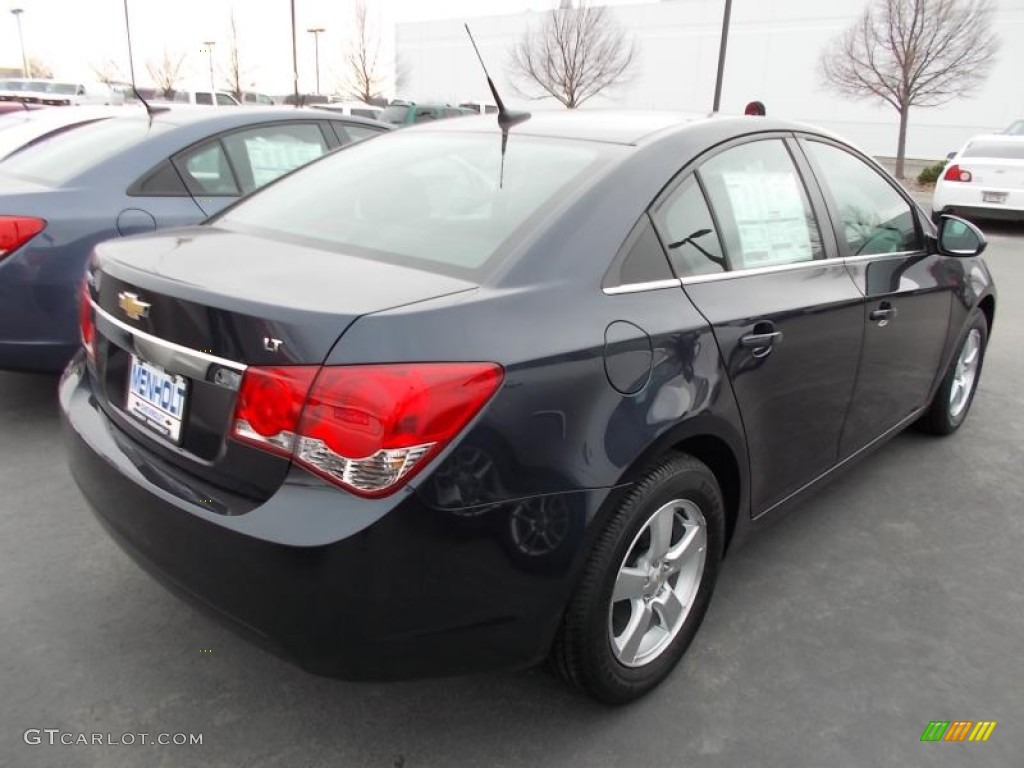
{"points": [[770, 217]]}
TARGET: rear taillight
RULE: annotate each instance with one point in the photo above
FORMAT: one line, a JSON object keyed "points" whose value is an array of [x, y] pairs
{"points": [[956, 173], [15, 231], [85, 321], [366, 428]]}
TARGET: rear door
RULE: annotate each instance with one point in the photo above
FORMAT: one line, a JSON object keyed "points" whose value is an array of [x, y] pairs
{"points": [[907, 292], [786, 315]]}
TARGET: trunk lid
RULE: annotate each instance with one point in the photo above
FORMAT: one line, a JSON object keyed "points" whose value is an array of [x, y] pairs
{"points": [[202, 304]]}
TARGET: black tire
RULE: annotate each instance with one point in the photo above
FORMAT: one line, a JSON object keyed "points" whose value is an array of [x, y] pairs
{"points": [[940, 419], [582, 653]]}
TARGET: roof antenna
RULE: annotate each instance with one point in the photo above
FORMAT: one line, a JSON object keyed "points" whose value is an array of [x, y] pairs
{"points": [[150, 109], [506, 118]]}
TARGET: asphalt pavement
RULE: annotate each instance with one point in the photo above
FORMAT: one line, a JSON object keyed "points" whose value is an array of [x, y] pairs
{"points": [[893, 598]]}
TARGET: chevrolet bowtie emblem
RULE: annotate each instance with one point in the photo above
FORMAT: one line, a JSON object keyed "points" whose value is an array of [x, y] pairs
{"points": [[131, 306]]}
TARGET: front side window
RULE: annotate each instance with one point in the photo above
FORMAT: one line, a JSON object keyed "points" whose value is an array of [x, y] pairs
{"points": [[762, 207], [204, 98], [262, 154], [688, 231], [875, 218], [225, 100]]}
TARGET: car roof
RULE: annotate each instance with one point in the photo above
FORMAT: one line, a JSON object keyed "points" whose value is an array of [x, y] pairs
{"points": [[618, 127], [224, 118]]}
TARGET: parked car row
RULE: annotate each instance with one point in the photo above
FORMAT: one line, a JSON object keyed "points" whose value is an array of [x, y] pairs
{"points": [[58, 93], [74, 177], [467, 396]]}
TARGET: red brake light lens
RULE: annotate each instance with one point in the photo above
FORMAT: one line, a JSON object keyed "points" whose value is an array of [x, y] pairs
{"points": [[269, 404], [366, 428], [956, 173], [15, 231], [85, 321]]}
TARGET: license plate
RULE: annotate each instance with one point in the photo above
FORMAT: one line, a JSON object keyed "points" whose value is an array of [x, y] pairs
{"points": [[993, 197], [157, 398]]}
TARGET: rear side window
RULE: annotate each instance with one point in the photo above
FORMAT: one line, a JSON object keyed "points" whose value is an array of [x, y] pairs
{"points": [[423, 199], [875, 217], [163, 181], [761, 205], [689, 233], [1003, 150], [640, 260]]}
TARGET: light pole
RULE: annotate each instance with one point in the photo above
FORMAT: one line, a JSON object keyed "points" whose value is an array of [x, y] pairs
{"points": [[721, 54], [315, 31], [24, 61], [213, 88], [295, 59]]}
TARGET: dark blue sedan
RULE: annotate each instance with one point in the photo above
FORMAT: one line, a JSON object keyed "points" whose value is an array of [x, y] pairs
{"points": [[452, 400], [125, 176]]}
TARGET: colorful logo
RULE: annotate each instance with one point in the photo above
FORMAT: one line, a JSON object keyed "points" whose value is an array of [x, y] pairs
{"points": [[959, 730]]}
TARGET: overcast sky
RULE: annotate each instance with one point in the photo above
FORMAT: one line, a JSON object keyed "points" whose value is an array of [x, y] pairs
{"points": [[71, 35]]}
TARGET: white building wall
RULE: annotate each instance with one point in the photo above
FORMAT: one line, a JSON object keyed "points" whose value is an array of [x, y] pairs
{"points": [[774, 48]]}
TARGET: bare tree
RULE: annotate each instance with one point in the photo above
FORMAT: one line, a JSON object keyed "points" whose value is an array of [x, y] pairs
{"points": [[167, 72], [362, 77], [578, 52], [107, 71], [39, 68], [913, 53], [234, 73]]}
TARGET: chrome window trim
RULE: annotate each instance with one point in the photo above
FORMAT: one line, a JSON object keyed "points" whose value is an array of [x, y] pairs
{"points": [[877, 256], [754, 271], [716, 276], [194, 354], [655, 285]]}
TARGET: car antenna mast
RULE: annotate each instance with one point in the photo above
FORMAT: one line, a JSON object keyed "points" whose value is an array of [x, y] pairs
{"points": [[149, 110], [506, 118]]}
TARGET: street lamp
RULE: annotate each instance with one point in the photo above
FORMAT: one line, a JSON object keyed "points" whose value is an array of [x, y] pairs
{"points": [[213, 87], [315, 31], [24, 61], [721, 55]]}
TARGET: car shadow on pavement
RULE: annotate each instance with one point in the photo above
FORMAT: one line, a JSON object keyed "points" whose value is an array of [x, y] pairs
{"points": [[29, 396]]}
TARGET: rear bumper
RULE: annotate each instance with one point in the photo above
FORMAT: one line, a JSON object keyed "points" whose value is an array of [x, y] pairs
{"points": [[968, 200], [345, 587]]}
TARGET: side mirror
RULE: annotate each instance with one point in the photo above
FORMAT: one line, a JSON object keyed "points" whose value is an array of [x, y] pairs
{"points": [[959, 238]]}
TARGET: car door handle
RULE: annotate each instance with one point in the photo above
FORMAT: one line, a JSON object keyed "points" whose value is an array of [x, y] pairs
{"points": [[883, 314], [761, 343]]}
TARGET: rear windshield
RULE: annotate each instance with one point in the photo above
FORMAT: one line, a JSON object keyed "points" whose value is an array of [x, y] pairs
{"points": [[1004, 150], [54, 163], [430, 200]]}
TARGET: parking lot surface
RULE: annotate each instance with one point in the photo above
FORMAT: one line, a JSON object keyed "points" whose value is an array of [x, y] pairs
{"points": [[893, 598]]}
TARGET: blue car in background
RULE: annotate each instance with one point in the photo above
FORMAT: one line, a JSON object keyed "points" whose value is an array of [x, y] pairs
{"points": [[125, 176]]}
